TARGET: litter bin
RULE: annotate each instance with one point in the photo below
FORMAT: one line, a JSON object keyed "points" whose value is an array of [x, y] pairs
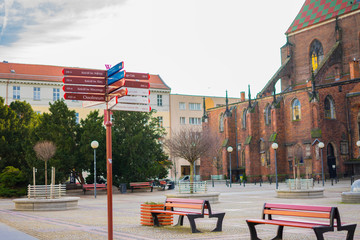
{"points": [[122, 187], [172, 185]]}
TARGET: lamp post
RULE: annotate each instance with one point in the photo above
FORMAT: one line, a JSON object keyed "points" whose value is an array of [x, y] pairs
{"points": [[230, 149], [321, 146], [94, 145], [275, 146]]}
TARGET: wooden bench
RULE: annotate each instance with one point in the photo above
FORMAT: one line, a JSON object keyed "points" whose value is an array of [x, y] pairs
{"points": [[99, 186], [192, 208], [307, 214], [134, 185]]}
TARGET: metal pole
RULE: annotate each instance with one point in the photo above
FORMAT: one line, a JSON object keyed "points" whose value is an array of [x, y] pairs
{"points": [[322, 167], [230, 167], [95, 172], [109, 173], [276, 176]]}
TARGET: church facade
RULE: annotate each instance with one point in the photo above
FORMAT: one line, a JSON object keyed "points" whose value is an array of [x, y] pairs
{"points": [[319, 101]]}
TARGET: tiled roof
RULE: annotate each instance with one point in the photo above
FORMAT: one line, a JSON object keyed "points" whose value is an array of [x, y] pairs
{"points": [[317, 11], [35, 72]]}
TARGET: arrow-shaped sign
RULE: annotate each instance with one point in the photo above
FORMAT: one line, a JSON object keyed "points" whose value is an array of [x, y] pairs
{"points": [[84, 89], [119, 92], [132, 107], [139, 76], [138, 91], [113, 102], [135, 99], [115, 69], [116, 77]]}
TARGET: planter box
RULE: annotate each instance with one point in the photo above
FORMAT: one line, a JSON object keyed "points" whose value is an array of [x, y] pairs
{"points": [[146, 218]]}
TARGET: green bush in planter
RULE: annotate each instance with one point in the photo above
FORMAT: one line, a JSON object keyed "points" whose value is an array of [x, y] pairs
{"points": [[12, 182]]}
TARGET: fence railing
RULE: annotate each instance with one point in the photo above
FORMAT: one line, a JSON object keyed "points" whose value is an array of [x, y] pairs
{"points": [[46, 191], [186, 187], [295, 184]]}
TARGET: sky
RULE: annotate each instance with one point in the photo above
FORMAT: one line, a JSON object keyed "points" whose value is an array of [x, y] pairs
{"points": [[198, 47]]}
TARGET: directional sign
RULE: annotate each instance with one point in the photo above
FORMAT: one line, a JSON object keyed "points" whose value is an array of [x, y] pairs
{"points": [[139, 76], [84, 72], [136, 84], [115, 69], [138, 91], [134, 99], [113, 102], [132, 107], [84, 97], [84, 80], [87, 104], [116, 77], [84, 89], [119, 92]]}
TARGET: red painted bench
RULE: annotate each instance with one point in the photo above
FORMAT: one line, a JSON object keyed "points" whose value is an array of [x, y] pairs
{"points": [[192, 208], [99, 186], [303, 217], [134, 185]]}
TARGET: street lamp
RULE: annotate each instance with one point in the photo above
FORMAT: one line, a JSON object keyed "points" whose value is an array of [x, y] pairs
{"points": [[321, 146], [94, 145], [230, 149], [275, 146], [357, 144]]}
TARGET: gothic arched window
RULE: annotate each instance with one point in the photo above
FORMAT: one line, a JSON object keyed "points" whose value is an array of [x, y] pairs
{"points": [[316, 54], [329, 107], [221, 123], [296, 110], [267, 114], [244, 119]]}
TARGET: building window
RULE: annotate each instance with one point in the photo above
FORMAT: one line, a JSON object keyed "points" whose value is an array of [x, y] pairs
{"points": [[77, 118], [296, 110], [221, 123], [267, 114], [262, 145], [329, 108], [159, 100], [182, 121], [194, 121], [344, 148], [56, 94], [244, 119], [195, 106], [316, 54], [36, 93], [160, 121], [16, 92], [182, 106], [243, 158]]}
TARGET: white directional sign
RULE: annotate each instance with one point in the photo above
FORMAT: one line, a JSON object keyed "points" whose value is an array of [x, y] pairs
{"points": [[92, 104], [138, 91], [135, 99], [132, 107]]}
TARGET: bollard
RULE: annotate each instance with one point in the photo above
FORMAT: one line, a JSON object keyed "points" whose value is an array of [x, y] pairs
{"points": [[255, 182], [227, 184], [352, 180], [332, 182], [212, 180], [244, 183], [260, 182]]}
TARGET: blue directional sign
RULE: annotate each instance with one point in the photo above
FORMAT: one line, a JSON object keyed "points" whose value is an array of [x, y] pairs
{"points": [[115, 69], [116, 77]]}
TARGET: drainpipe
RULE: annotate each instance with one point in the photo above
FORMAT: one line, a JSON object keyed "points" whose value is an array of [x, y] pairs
{"points": [[349, 126], [236, 140]]}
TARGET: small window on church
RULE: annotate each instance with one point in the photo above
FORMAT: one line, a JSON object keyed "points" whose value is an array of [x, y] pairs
{"points": [[221, 123], [316, 54], [329, 108], [296, 110]]}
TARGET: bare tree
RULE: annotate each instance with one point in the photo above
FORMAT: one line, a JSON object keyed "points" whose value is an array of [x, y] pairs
{"points": [[190, 144], [45, 150]]}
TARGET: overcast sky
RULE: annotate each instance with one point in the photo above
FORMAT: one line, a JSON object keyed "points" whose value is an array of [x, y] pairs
{"points": [[198, 47]]}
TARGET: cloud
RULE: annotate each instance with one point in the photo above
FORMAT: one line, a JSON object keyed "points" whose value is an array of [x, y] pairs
{"points": [[37, 20]]}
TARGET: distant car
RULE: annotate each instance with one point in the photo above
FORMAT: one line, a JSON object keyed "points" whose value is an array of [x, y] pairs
{"points": [[186, 178]]}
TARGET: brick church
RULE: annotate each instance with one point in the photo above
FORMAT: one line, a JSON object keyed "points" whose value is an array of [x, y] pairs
{"points": [[319, 101]]}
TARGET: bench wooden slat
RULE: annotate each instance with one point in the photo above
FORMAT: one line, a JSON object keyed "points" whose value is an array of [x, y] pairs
{"points": [[184, 205], [298, 213], [299, 207], [287, 223], [185, 200]]}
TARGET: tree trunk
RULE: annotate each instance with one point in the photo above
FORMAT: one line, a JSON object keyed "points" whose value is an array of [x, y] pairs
{"points": [[191, 177]]}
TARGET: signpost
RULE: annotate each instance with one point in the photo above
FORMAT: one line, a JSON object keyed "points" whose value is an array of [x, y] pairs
{"points": [[111, 88]]}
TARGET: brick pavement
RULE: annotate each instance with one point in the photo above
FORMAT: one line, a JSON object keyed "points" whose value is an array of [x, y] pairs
{"points": [[89, 221]]}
